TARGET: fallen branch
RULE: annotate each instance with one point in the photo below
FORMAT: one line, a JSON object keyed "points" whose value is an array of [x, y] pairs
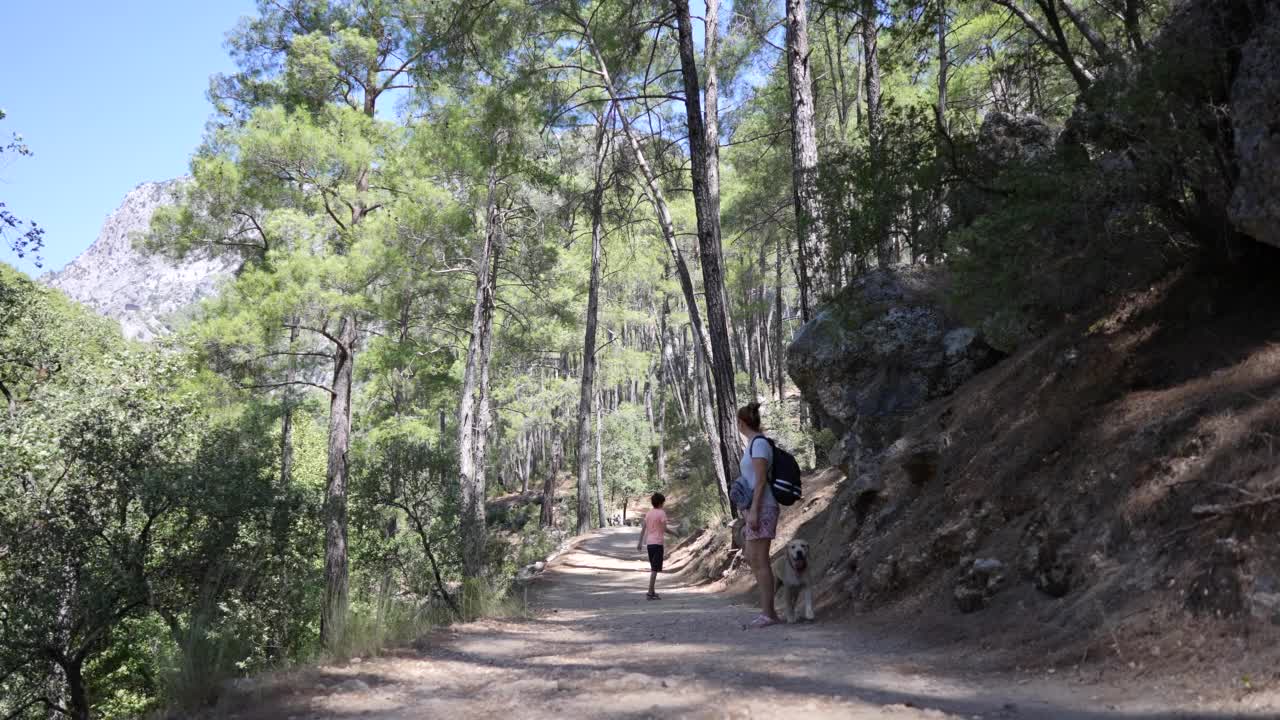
{"points": [[1216, 510]]}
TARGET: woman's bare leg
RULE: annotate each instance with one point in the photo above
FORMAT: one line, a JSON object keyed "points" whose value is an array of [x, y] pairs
{"points": [[764, 576]]}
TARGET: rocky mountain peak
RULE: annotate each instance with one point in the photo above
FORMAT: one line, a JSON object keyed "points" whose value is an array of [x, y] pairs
{"points": [[142, 292]]}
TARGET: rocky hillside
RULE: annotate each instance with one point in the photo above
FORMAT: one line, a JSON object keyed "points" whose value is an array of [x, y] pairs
{"points": [[143, 292]]}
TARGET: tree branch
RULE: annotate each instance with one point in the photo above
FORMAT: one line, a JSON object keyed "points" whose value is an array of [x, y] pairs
{"points": [[269, 386], [1216, 510]]}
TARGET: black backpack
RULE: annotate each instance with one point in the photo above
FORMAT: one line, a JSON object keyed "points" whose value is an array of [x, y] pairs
{"points": [[784, 475]]}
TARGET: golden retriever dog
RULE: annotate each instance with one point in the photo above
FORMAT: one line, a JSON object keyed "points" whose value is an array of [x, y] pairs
{"points": [[792, 572]]}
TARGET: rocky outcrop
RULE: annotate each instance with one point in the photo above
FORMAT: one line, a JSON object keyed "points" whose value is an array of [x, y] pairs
{"points": [[1007, 139], [1255, 109], [877, 353], [144, 293], [1005, 142]]}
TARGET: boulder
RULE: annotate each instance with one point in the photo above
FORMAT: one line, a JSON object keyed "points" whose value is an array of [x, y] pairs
{"points": [[878, 352], [1007, 139], [1255, 107], [1004, 142]]}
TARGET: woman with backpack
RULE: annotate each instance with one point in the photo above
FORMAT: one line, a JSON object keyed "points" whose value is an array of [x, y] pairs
{"points": [[762, 513]]}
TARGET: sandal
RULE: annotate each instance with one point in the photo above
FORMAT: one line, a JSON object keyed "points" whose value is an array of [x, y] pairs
{"points": [[654, 596], [761, 621]]}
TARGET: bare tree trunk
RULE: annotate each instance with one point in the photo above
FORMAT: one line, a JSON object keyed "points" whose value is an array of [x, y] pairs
{"points": [[281, 516], [587, 391], [669, 236], [748, 334], [662, 421], [669, 380], [473, 411], [944, 64], [528, 466], [604, 520], [712, 95], [1133, 25], [777, 331], [859, 77], [77, 691], [648, 401], [286, 421], [875, 121], [720, 357], [334, 617], [810, 230]]}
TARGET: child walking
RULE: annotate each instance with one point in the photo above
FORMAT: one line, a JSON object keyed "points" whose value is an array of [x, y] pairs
{"points": [[652, 533]]}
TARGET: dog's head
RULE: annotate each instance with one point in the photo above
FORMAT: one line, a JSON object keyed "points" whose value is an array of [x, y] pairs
{"points": [[798, 554]]}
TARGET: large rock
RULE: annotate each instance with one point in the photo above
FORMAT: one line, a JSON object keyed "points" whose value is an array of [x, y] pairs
{"points": [[1255, 111], [1007, 139], [878, 352], [144, 293], [1005, 142]]}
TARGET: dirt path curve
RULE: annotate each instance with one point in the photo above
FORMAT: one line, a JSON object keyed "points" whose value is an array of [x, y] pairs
{"points": [[598, 649]]}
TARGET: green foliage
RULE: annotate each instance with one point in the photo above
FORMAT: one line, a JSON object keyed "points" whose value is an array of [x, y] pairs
{"points": [[627, 456], [22, 237], [151, 540], [895, 193]]}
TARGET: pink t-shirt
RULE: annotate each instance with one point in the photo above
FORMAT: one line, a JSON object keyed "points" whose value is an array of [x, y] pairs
{"points": [[655, 526]]}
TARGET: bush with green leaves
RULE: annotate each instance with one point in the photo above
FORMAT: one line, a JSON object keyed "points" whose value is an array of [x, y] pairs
{"points": [[132, 519], [628, 469]]}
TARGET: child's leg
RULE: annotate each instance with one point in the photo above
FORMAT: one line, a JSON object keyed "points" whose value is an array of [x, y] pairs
{"points": [[653, 578]]}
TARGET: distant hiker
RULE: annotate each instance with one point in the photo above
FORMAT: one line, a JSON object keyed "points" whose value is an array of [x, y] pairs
{"points": [[653, 532], [762, 510]]}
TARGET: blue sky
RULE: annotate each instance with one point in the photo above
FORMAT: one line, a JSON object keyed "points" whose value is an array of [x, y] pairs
{"points": [[108, 95]]}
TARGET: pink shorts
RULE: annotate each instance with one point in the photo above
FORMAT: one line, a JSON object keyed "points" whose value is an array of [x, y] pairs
{"points": [[768, 524]]}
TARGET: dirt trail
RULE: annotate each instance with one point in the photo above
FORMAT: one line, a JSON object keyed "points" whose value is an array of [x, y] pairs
{"points": [[598, 649]]}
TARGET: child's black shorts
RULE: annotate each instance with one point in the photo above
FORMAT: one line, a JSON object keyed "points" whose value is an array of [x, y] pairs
{"points": [[655, 558]]}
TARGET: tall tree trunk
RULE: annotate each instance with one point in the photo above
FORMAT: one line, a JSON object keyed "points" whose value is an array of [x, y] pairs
{"points": [[875, 123], [748, 334], [944, 65], [666, 382], [720, 357], [77, 690], [777, 300], [528, 466], [810, 230], [587, 390], [604, 520], [473, 411], [334, 618], [859, 76], [648, 402], [658, 199], [711, 60], [1133, 25], [667, 367], [281, 517], [286, 421]]}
